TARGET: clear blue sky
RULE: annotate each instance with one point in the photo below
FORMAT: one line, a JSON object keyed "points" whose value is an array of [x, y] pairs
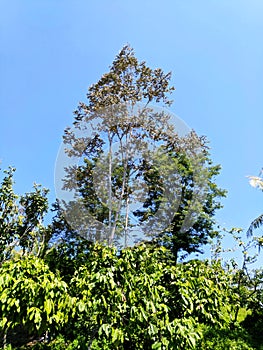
{"points": [[52, 50]]}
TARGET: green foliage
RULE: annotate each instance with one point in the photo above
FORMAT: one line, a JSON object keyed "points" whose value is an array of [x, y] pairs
{"points": [[205, 291], [21, 219], [246, 284], [60, 343], [225, 338], [31, 296], [68, 255], [129, 299], [138, 301], [9, 218], [193, 224]]}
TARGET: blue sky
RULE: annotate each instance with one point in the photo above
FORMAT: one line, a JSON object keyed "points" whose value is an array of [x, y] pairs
{"points": [[52, 50]]}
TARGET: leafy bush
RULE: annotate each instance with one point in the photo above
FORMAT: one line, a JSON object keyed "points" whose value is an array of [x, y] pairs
{"points": [[138, 301], [32, 297], [130, 299]]}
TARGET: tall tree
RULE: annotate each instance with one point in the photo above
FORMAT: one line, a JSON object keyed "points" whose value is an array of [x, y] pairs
{"points": [[129, 152]]}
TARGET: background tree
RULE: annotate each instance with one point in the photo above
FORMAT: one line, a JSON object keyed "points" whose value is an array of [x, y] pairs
{"points": [[191, 224], [21, 219]]}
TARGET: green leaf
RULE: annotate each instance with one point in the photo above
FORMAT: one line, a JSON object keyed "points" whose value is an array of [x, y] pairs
{"points": [[81, 306]]}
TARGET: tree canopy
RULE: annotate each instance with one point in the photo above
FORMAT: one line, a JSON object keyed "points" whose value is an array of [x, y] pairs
{"points": [[138, 173]]}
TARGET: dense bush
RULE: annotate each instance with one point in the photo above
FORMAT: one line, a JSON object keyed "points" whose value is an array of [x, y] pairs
{"points": [[32, 298], [130, 299]]}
